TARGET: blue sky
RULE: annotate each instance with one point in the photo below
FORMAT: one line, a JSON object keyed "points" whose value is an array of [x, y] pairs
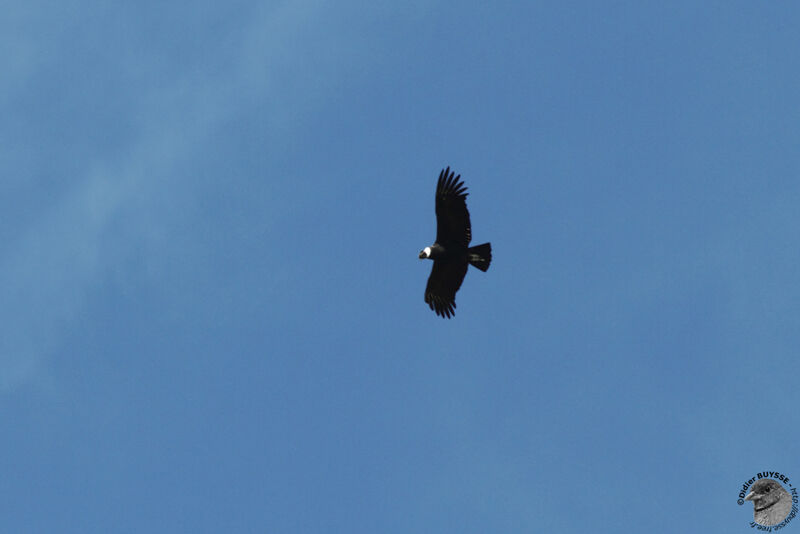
{"points": [[212, 306]]}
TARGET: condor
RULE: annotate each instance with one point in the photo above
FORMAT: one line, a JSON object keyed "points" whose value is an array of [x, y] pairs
{"points": [[451, 253]]}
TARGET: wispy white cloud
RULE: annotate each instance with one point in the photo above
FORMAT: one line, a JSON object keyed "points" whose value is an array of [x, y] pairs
{"points": [[46, 275], [50, 268]]}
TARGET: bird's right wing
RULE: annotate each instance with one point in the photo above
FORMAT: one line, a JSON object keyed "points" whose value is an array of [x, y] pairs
{"points": [[444, 281]]}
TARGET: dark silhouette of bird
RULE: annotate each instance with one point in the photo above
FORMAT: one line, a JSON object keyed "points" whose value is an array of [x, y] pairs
{"points": [[771, 502], [451, 253]]}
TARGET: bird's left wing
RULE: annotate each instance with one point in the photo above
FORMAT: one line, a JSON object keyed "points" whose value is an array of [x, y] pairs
{"points": [[452, 216]]}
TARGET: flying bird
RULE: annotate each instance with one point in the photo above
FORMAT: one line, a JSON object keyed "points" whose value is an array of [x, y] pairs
{"points": [[451, 253], [771, 502]]}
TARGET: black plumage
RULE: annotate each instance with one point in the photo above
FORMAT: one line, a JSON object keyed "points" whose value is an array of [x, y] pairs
{"points": [[451, 253]]}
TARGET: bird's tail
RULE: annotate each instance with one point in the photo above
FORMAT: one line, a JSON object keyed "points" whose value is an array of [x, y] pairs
{"points": [[480, 256]]}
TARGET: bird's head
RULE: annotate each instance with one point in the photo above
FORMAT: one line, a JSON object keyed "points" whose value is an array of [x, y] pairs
{"points": [[425, 253], [765, 493]]}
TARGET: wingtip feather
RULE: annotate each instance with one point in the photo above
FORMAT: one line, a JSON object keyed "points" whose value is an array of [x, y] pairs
{"points": [[450, 184]]}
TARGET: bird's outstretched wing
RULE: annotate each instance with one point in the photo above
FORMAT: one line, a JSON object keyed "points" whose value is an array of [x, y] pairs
{"points": [[444, 281], [452, 217]]}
